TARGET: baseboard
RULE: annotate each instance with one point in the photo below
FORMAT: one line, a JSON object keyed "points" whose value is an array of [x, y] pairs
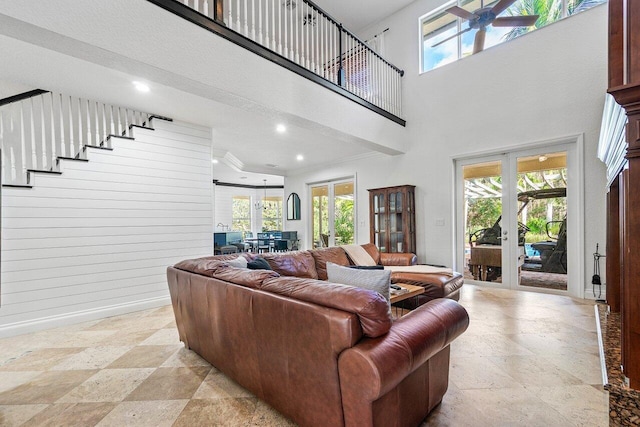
{"points": [[588, 293], [19, 328]]}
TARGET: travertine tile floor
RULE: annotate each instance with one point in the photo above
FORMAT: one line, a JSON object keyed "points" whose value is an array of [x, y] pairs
{"points": [[527, 359]]}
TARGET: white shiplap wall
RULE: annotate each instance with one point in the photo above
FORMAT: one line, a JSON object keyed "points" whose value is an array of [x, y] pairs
{"points": [[96, 240]]}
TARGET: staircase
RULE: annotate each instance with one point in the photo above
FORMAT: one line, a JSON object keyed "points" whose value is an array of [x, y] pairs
{"points": [[103, 216], [40, 128]]}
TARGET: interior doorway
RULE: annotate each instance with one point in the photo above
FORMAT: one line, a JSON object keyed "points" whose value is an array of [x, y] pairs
{"points": [[333, 213], [517, 215]]}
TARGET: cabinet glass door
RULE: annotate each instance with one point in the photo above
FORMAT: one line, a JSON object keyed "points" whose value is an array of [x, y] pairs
{"points": [[396, 225], [379, 221]]}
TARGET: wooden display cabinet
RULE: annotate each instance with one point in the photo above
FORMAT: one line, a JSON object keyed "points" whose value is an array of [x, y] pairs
{"points": [[392, 218]]}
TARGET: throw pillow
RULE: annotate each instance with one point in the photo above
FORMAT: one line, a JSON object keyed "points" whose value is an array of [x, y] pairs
{"points": [[240, 262], [258, 264], [374, 280]]}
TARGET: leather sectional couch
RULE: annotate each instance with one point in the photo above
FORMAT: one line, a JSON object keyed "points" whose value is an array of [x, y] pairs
{"points": [[322, 354], [300, 264]]}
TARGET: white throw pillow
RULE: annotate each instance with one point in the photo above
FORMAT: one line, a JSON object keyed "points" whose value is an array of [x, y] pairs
{"points": [[374, 280], [240, 262]]}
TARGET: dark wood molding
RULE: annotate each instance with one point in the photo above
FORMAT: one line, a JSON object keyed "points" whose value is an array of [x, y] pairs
{"points": [[155, 116], [141, 127], [17, 186], [616, 42], [253, 187], [121, 137], [624, 85], [194, 17], [612, 259], [628, 96], [99, 147], [21, 96], [44, 171], [71, 158]]}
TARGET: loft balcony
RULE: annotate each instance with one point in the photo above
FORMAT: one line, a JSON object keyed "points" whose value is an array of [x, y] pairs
{"points": [[300, 36], [95, 50]]}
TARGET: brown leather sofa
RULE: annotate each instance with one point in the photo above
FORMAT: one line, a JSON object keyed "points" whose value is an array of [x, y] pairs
{"points": [[312, 264], [436, 285], [322, 354]]}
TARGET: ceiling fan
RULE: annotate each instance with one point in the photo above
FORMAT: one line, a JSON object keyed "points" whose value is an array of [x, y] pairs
{"points": [[486, 16]]}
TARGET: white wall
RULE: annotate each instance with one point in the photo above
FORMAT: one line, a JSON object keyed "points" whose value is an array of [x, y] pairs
{"points": [[96, 240], [543, 86]]}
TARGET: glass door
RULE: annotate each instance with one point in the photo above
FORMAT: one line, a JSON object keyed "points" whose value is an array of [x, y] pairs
{"points": [[484, 226], [542, 219], [333, 213], [515, 219], [396, 231]]}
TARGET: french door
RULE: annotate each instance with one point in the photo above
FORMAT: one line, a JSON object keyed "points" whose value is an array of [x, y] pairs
{"points": [[518, 221], [333, 213]]}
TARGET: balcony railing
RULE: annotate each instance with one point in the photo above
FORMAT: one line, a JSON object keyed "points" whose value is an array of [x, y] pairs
{"points": [[304, 34]]}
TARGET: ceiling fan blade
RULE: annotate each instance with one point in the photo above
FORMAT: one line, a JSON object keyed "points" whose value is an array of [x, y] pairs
{"points": [[501, 6], [478, 43], [461, 13], [449, 38], [515, 21]]}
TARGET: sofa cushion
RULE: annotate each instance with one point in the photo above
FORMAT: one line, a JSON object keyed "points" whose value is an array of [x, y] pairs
{"points": [[296, 263], [370, 307], [374, 280], [258, 264], [244, 277], [204, 266], [333, 254]]}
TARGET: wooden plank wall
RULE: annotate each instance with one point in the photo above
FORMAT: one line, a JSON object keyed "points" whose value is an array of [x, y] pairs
{"points": [[96, 240]]}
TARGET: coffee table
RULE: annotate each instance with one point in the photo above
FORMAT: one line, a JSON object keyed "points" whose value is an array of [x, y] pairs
{"points": [[414, 291]]}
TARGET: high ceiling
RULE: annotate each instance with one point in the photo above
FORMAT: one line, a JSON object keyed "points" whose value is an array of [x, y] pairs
{"points": [[244, 134], [358, 14]]}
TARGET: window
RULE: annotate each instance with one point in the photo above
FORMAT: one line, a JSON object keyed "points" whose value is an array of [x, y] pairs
{"points": [[272, 214], [241, 213], [439, 28]]}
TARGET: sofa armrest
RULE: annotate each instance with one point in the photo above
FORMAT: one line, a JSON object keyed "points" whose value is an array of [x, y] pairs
{"points": [[376, 365], [398, 259]]}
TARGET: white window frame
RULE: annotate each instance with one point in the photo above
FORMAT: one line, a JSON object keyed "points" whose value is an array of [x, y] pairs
{"points": [[421, 19]]}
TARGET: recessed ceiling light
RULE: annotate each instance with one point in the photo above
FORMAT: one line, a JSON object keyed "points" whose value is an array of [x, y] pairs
{"points": [[281, 128], [299, 157], [141, 87], [214, 161], [542, 158]]}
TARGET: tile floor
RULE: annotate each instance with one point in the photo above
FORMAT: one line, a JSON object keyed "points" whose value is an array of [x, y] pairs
{"points": [[528, 359]]}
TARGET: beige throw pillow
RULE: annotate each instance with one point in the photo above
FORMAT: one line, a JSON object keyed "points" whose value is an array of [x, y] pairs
{"points": [[374, 280]]}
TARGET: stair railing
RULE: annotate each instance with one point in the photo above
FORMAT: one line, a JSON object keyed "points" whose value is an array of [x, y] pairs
{"points": [[302, 32], [36, 131]]}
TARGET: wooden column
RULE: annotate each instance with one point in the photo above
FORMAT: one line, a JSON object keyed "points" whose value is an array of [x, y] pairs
{"points": [[624, 85], [613, 259]]}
